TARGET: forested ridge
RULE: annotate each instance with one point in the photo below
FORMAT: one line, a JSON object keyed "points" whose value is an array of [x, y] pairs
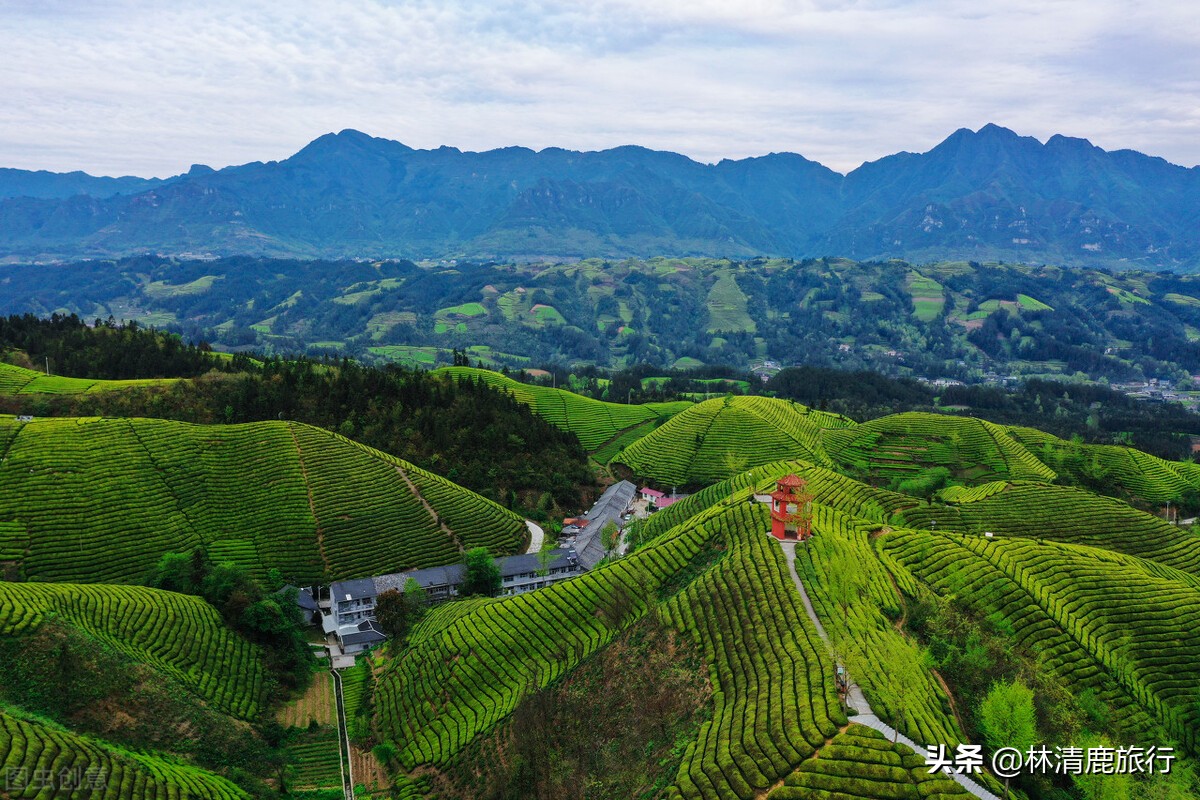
{"points": [[970, 321], [474, 435]]}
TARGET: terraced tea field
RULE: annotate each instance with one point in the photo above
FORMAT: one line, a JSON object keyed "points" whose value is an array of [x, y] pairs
{"points": [[1106, 595], [723, 437], [828, 488], [1063, 514], [1140, 475], [456, 682], [941, 562], [857, 608], [1125, 627], [18, 380], [727, 309], [904, 445], [42, 752], [774, 701], [100, 501], [178, 635], [860, 763], [314, 764], [595, 422]]}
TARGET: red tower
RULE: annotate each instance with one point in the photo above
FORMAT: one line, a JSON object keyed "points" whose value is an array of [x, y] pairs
{"points": [[791, 509]]}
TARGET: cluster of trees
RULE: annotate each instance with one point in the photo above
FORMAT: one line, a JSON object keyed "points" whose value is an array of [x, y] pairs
{"points": [[105, 349], [399, 612], [267, 614], [467, 431]]}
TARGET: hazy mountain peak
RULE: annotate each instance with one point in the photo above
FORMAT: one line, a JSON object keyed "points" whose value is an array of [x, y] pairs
{"points": [[983, 195]]}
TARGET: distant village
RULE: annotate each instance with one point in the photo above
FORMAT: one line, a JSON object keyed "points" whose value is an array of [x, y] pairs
{"points": [[1153, 390]]}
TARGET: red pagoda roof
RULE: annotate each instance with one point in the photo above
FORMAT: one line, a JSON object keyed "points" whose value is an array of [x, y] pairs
{"points": [[790, 480]]}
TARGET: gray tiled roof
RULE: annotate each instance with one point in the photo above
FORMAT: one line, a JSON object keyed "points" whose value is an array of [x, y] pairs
{"points": [[357, 589], [608, 508], [452, 574], [449, 575], [528, 562], [366, 633]]}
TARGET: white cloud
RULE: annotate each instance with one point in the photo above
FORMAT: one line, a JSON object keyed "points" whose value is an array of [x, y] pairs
{"points": [[148, 88]]}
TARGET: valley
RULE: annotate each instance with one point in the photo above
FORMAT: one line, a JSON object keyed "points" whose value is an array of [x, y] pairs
{"points": [[949, 555]]}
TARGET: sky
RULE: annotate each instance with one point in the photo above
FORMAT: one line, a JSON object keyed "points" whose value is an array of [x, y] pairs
{"points": [[149, 88]]}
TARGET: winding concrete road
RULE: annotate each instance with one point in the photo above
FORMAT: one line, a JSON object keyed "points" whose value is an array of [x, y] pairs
{"points": [[536, 536], [855, 697]]}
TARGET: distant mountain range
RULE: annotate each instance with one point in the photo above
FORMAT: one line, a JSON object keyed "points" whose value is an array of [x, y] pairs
{"points": [[984, 195]]}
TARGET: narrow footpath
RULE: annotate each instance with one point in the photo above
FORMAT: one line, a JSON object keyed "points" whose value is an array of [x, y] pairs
{"points": [[347, 762], [855, 697]]}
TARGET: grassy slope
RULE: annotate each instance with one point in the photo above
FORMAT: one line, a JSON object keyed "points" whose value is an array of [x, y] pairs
{"points": [[719, 438], [18, 380], [595, 422], [100, 500]]}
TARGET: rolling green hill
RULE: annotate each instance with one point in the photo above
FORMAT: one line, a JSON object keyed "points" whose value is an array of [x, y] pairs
{"points": [[100, 500], [178, 635], [432, 711], [1108, 605], [1113, 469], [828, 488], [45, 751], [597, 424], [719, 438], [1089, 600], [904, 445], [1119, 625], [713, 574], [1063, 514], [149, 690], [18, 380]]}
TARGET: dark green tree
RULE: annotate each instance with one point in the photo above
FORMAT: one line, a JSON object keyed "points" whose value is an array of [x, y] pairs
{"points": [[398, 612], [483, 574]]}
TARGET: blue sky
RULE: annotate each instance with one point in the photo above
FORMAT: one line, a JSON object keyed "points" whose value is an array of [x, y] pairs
{"points": [[150, 88]]}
